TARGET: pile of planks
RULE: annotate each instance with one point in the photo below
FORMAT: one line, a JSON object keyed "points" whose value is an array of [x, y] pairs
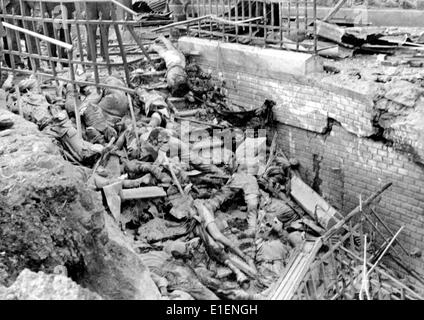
{"points": [[298, 265]]}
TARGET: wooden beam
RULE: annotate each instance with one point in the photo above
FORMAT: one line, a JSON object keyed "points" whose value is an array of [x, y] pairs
{"points": [[334, 10], [142, 193], [355, 211], [62, 44]]}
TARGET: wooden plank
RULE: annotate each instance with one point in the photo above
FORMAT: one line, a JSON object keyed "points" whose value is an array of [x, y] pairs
{"points": [[313, 203], [355, 211], [330, 31], [291, 278], [62, 44], [333, 11], [142, 193]]}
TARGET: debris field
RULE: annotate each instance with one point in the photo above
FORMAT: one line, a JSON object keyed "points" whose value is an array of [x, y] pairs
{"points": [[143, 180]]}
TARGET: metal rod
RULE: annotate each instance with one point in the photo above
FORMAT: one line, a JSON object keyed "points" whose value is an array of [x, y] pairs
{"points": [[223, 13], [297, 24], [79, 40], [250, 23], [280, 19], [104, 42], [315, 27], [380, 233], [179, 23], [86, 21], [385, 250], [37, 35], [58, 52], [138, 41], [37, 41], [27, 38], [78, 82], [92, 47], [384, 273], [289, 16], [367, 202], [49, 45], [17, 35], [210, 9], [72, 73], [121, 48], [9, 45], [236, 15], [306, 15], [62, 60], [388, 230], [265, 20]]}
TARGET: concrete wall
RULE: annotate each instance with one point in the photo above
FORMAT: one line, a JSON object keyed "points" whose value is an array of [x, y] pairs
{"points": [[328, 129]]}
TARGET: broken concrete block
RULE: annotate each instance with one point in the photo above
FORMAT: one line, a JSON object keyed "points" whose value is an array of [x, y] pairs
{"points": [[41, 286], [142, 193], [313, 203], [403, 92]]}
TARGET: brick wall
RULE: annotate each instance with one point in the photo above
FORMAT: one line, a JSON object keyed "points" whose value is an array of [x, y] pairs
{"points": [[337, 157], [348, 166]]}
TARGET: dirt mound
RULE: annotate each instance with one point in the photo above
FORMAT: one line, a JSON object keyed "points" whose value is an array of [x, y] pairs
{"points": [[41, 286], [50, 217]]}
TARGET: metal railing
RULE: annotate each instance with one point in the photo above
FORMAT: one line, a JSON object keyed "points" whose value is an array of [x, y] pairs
{"points": [[287, 24], [22, 21], [31, 26]]}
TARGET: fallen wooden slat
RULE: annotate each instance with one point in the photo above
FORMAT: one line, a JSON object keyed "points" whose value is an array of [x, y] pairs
{"points": [[62, 44], [336, 51], [355, 211], [330, 31], [142, 193], [295, 271], [347, 37], [313, 203], [112, 194], [334, 10]]}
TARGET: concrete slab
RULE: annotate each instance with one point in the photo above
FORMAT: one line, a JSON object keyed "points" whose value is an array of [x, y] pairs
{"points": [[270, 63]]}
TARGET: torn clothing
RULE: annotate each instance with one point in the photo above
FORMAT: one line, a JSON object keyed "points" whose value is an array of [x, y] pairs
{"points": [[35, 108], [154, 104], [175, 62], [63, 130], [94, 118], [245, 182], [114, 102]]}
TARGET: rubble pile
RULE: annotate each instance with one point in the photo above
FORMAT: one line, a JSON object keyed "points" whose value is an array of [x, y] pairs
{"points": [[213, 214], [342, 42], [41, 286]]}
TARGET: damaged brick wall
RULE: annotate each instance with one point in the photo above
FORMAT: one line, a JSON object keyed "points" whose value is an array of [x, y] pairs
{"points": [[330, 131], [351, 166]]}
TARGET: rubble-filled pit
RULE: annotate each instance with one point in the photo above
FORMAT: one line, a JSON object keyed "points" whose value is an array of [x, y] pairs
{"points": [[206, 200]]}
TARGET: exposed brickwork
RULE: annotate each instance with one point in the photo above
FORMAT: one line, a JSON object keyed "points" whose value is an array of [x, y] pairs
{"points": [[301, 102], [350, 162], [351, 166]]}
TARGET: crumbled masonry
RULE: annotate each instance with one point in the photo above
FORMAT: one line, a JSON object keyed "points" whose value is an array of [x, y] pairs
{"points": [[137, 166]]}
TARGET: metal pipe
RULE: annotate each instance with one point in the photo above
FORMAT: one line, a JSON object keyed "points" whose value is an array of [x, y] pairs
{"points": [[40, 36]]}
